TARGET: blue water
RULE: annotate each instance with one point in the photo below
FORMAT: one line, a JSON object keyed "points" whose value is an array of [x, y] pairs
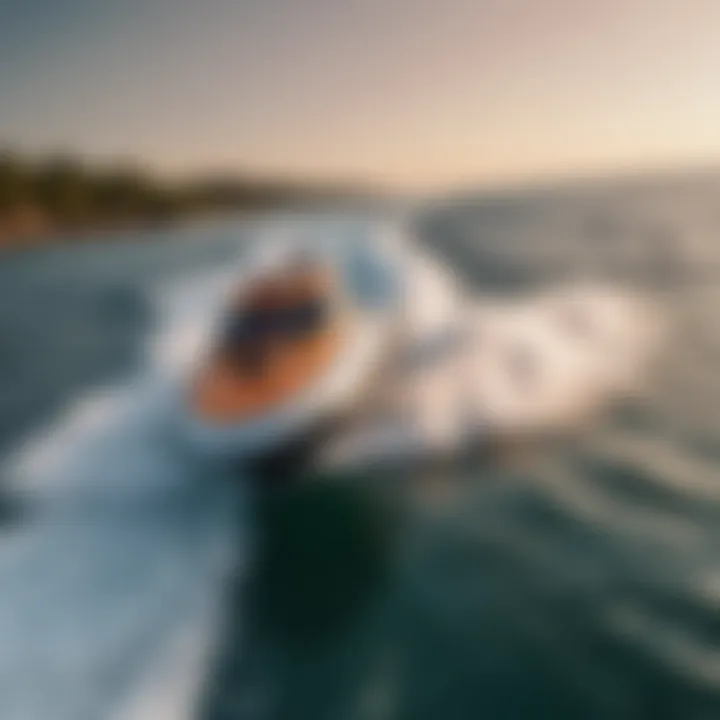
{"points": [[580, 581]]}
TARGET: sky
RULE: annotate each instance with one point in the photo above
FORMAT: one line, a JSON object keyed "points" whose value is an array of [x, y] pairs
{"points": [[408, 93]]}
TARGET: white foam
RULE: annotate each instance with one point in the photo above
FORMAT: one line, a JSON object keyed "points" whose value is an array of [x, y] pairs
{"points": [[112, 581], [527, 371], [507, 367]]}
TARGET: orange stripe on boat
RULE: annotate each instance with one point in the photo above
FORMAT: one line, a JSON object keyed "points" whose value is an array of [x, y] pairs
{"points": [[225, 393]]}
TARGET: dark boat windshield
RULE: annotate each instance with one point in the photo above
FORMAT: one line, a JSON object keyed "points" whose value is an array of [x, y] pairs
{"points": [[285, 322]]}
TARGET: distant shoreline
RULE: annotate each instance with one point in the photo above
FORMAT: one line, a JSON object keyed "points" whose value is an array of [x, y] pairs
{"points": [[60, 199]]}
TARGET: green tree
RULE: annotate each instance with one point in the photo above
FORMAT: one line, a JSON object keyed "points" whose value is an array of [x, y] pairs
{"points": [[15, 185], [63, 188]]}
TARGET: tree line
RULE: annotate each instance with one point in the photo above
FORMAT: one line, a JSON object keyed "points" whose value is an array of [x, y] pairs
{"points": [[61, 194]]}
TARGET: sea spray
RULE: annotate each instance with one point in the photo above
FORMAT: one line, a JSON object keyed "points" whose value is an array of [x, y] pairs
{"points": [[114, 574]]}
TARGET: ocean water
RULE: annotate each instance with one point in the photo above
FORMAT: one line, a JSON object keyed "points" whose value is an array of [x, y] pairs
{"points": [[576, 581]]}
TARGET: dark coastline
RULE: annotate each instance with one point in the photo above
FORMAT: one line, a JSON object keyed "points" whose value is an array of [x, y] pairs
{"points": [[62, 199]]}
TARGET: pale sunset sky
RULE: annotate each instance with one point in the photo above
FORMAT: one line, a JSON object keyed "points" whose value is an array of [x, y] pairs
{"points": [[416, 94]]}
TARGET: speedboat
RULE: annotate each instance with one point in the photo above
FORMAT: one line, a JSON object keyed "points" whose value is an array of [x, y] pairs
{"points": [[380, 332], [295, 346]]}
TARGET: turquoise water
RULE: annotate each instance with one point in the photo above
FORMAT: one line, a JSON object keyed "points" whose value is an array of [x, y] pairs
{"points": [[581, 581]]}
